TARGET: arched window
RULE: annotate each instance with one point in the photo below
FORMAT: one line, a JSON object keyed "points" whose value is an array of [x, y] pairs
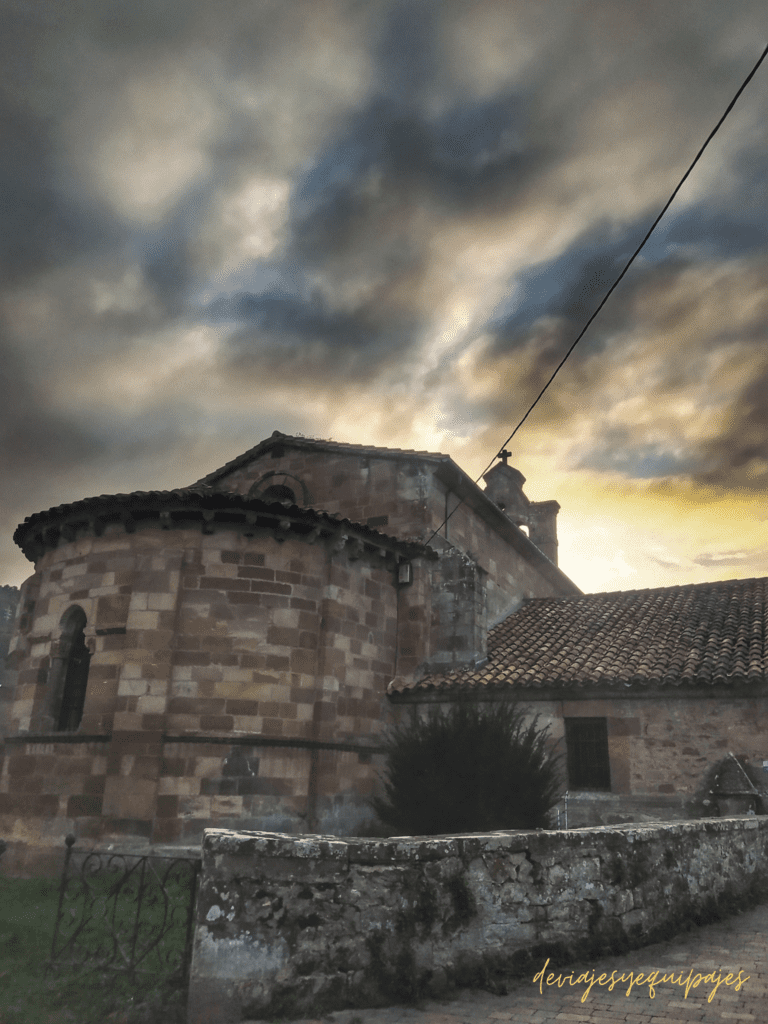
{"points": [[76, 659], [279, 486], [278, 492]]}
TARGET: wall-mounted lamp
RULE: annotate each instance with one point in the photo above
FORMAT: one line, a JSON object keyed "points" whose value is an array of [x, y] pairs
{"points": [[405, 573]]}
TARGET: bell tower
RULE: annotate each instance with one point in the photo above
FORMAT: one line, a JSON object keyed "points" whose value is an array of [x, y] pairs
{"points": [[504, 486]]}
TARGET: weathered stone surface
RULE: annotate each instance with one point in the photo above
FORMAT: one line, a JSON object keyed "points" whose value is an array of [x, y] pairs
{"points": [[284, 641], [298, 925], [171, 654]]}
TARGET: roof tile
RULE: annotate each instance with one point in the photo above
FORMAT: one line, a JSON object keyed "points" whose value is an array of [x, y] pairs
{"points": [[700, 634]]}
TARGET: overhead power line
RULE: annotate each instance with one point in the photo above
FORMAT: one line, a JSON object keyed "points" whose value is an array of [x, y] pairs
{"points": [[610, 291]]}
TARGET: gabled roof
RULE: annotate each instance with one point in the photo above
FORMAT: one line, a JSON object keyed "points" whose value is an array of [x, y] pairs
{"points": [[315, 444], [700, 635], [446, 470]]}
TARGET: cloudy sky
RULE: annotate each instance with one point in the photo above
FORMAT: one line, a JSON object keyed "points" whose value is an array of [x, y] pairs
{"points": [[385, 221]]}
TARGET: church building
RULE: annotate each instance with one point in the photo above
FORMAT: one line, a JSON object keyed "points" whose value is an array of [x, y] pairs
{"points": [[227, 654], [219, 655]]}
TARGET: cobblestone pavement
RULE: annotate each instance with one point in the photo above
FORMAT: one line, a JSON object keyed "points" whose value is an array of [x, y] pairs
{"points": [[699, 957]]}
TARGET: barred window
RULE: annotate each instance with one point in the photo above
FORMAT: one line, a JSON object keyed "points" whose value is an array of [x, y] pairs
{"points": [[586, 741]]}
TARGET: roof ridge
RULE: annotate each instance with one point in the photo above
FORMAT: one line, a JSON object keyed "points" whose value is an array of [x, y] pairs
{"points": [[277, 437], [646, 590]]}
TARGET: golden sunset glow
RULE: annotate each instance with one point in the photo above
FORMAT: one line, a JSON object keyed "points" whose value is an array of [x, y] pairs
{"points": [[385, 224]]}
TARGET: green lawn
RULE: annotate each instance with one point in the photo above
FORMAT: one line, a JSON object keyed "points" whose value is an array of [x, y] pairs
{"points": [[30, 995]]}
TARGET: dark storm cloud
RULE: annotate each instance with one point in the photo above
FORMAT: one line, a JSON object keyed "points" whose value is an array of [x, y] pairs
{"points": [[732, 222], [406, 53], [140, 24], [474, 155], [571, 285], [43, 222], [274, 313], [56, 238], [36, 230], [33, 436], [568, 286], [738, 457], [166, 251], [396, 130], [37, 439], [399, 147], [551, 302], [618, 450], [352, 211], [303, 334], [47, 218], [484, 153]]}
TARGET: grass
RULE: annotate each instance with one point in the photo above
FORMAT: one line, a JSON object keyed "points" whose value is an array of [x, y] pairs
{"points": [[30, 994]]}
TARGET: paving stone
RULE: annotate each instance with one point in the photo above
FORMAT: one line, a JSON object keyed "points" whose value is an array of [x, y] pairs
{"points": [[738, 942]]}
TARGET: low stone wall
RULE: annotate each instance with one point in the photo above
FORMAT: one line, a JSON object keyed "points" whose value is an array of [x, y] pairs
{"points": [[290, 925]]}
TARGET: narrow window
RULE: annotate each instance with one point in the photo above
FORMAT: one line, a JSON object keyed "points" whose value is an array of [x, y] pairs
{"points": [[77, 659], [279, 492], [586, 741], [278, 486]]}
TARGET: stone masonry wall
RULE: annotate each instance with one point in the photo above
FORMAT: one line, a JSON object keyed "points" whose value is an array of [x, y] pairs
{"points": [[661, 751], [9, 600], [479, 578], [9, 615], [385, 493], [458, 629], [293, 926], [366, 489], [510, 578], [234, 681]]}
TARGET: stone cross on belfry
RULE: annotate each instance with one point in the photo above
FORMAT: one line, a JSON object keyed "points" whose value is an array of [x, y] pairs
{"points": [[504, 455]]}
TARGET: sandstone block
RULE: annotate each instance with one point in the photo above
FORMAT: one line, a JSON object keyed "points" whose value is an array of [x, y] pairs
{"points": [[129, 798], [142, 620]]}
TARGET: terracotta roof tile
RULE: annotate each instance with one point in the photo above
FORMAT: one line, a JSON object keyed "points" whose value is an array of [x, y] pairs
{"points": [[31, 533], [696, 635]]}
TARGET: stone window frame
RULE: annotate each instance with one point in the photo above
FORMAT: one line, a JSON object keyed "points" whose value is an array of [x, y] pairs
{"points": [[68, 674], [587, 754], [278, 480]]}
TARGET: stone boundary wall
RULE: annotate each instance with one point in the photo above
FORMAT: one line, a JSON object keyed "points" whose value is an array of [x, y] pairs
{"points": [[291, 926]]}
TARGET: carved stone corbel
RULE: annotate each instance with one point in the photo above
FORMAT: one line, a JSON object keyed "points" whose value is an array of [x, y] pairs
{"points": [[208, 517], [355, 549]]}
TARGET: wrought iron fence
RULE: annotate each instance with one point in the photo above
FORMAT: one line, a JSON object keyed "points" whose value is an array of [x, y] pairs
{"points": [[127, 916]]}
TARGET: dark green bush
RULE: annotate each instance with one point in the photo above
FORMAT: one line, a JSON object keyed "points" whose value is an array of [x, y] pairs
{"points": [[472, 768]]}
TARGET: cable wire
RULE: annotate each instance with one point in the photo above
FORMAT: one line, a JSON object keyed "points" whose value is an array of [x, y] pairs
{"points": [[610, 291]]}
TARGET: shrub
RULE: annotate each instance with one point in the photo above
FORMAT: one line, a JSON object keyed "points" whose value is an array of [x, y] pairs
{"points": [[468, 769]]}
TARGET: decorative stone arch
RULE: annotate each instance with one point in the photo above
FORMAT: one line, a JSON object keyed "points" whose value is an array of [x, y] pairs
{"points": [[279, 486], [70, 661]]}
